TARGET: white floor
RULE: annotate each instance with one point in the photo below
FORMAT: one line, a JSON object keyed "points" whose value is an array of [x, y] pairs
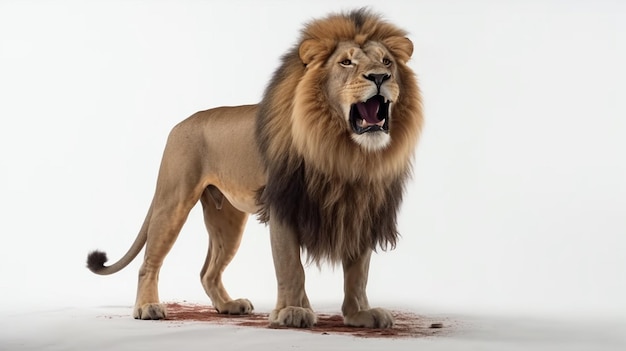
{"points": [[112, 328]]}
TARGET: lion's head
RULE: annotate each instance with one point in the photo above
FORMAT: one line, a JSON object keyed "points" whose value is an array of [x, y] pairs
{"points": [[342, 112], [358, 80], [346, 90]]}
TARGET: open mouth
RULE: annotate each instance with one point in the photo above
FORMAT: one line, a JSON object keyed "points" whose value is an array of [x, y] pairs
{"points": [[370, 116]]}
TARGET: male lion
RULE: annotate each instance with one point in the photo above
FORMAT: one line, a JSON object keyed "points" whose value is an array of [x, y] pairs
{"points": [[323, 159]]}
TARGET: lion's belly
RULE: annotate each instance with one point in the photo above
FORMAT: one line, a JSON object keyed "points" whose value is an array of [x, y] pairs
{"points": [[245, 202]]}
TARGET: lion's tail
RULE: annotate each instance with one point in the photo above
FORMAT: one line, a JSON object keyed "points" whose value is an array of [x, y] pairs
{"points": [[96, 259]]}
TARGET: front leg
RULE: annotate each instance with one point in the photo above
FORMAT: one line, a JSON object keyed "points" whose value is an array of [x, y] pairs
{"points": [[292, 305], [356, 309]]}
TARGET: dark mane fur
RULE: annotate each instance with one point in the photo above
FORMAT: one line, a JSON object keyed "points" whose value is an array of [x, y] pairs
{"points": [[370, 221]]}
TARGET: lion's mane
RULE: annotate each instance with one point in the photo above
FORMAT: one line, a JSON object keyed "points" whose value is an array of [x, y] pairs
{"points": [[338, 197]]}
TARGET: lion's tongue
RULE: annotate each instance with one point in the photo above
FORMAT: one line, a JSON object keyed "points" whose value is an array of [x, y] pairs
{"points": [[368, 110]]}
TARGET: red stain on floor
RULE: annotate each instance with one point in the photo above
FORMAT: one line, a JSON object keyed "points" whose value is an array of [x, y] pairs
{"points": [[407, 325]]}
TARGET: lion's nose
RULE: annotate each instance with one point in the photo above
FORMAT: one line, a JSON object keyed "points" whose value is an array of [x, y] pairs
{"points": [[377, 78]]}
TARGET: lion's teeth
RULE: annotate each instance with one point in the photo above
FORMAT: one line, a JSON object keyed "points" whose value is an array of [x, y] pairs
{"points": [[363, 123]]}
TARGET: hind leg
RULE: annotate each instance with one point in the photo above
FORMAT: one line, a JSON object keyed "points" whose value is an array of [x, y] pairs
{"points": [[225, 225], [179, 187], [163, 229]]}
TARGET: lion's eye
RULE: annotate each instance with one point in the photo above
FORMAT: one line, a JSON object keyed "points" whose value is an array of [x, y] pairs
{"points": [[346, 63], [386, 62]]}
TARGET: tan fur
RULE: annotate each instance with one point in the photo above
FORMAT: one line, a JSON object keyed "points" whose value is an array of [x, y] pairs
{"points": [[295, 160]]}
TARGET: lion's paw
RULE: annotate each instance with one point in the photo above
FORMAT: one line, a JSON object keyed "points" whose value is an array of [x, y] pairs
{"points": [[291, 316], [239, 306], [374, 318], [150, 311]]}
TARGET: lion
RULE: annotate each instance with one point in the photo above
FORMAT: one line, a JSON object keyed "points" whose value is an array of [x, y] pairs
{"points": [[323, 159]]}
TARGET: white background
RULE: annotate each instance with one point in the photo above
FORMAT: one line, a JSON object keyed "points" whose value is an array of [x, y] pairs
{"points": [[518, 201]]}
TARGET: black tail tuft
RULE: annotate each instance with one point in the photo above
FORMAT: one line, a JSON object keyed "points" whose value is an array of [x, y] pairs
{"points": [[96, 260]]}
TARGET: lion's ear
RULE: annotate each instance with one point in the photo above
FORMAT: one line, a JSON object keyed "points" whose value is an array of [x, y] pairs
{"points": [[400, 47], [311, 49]]}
